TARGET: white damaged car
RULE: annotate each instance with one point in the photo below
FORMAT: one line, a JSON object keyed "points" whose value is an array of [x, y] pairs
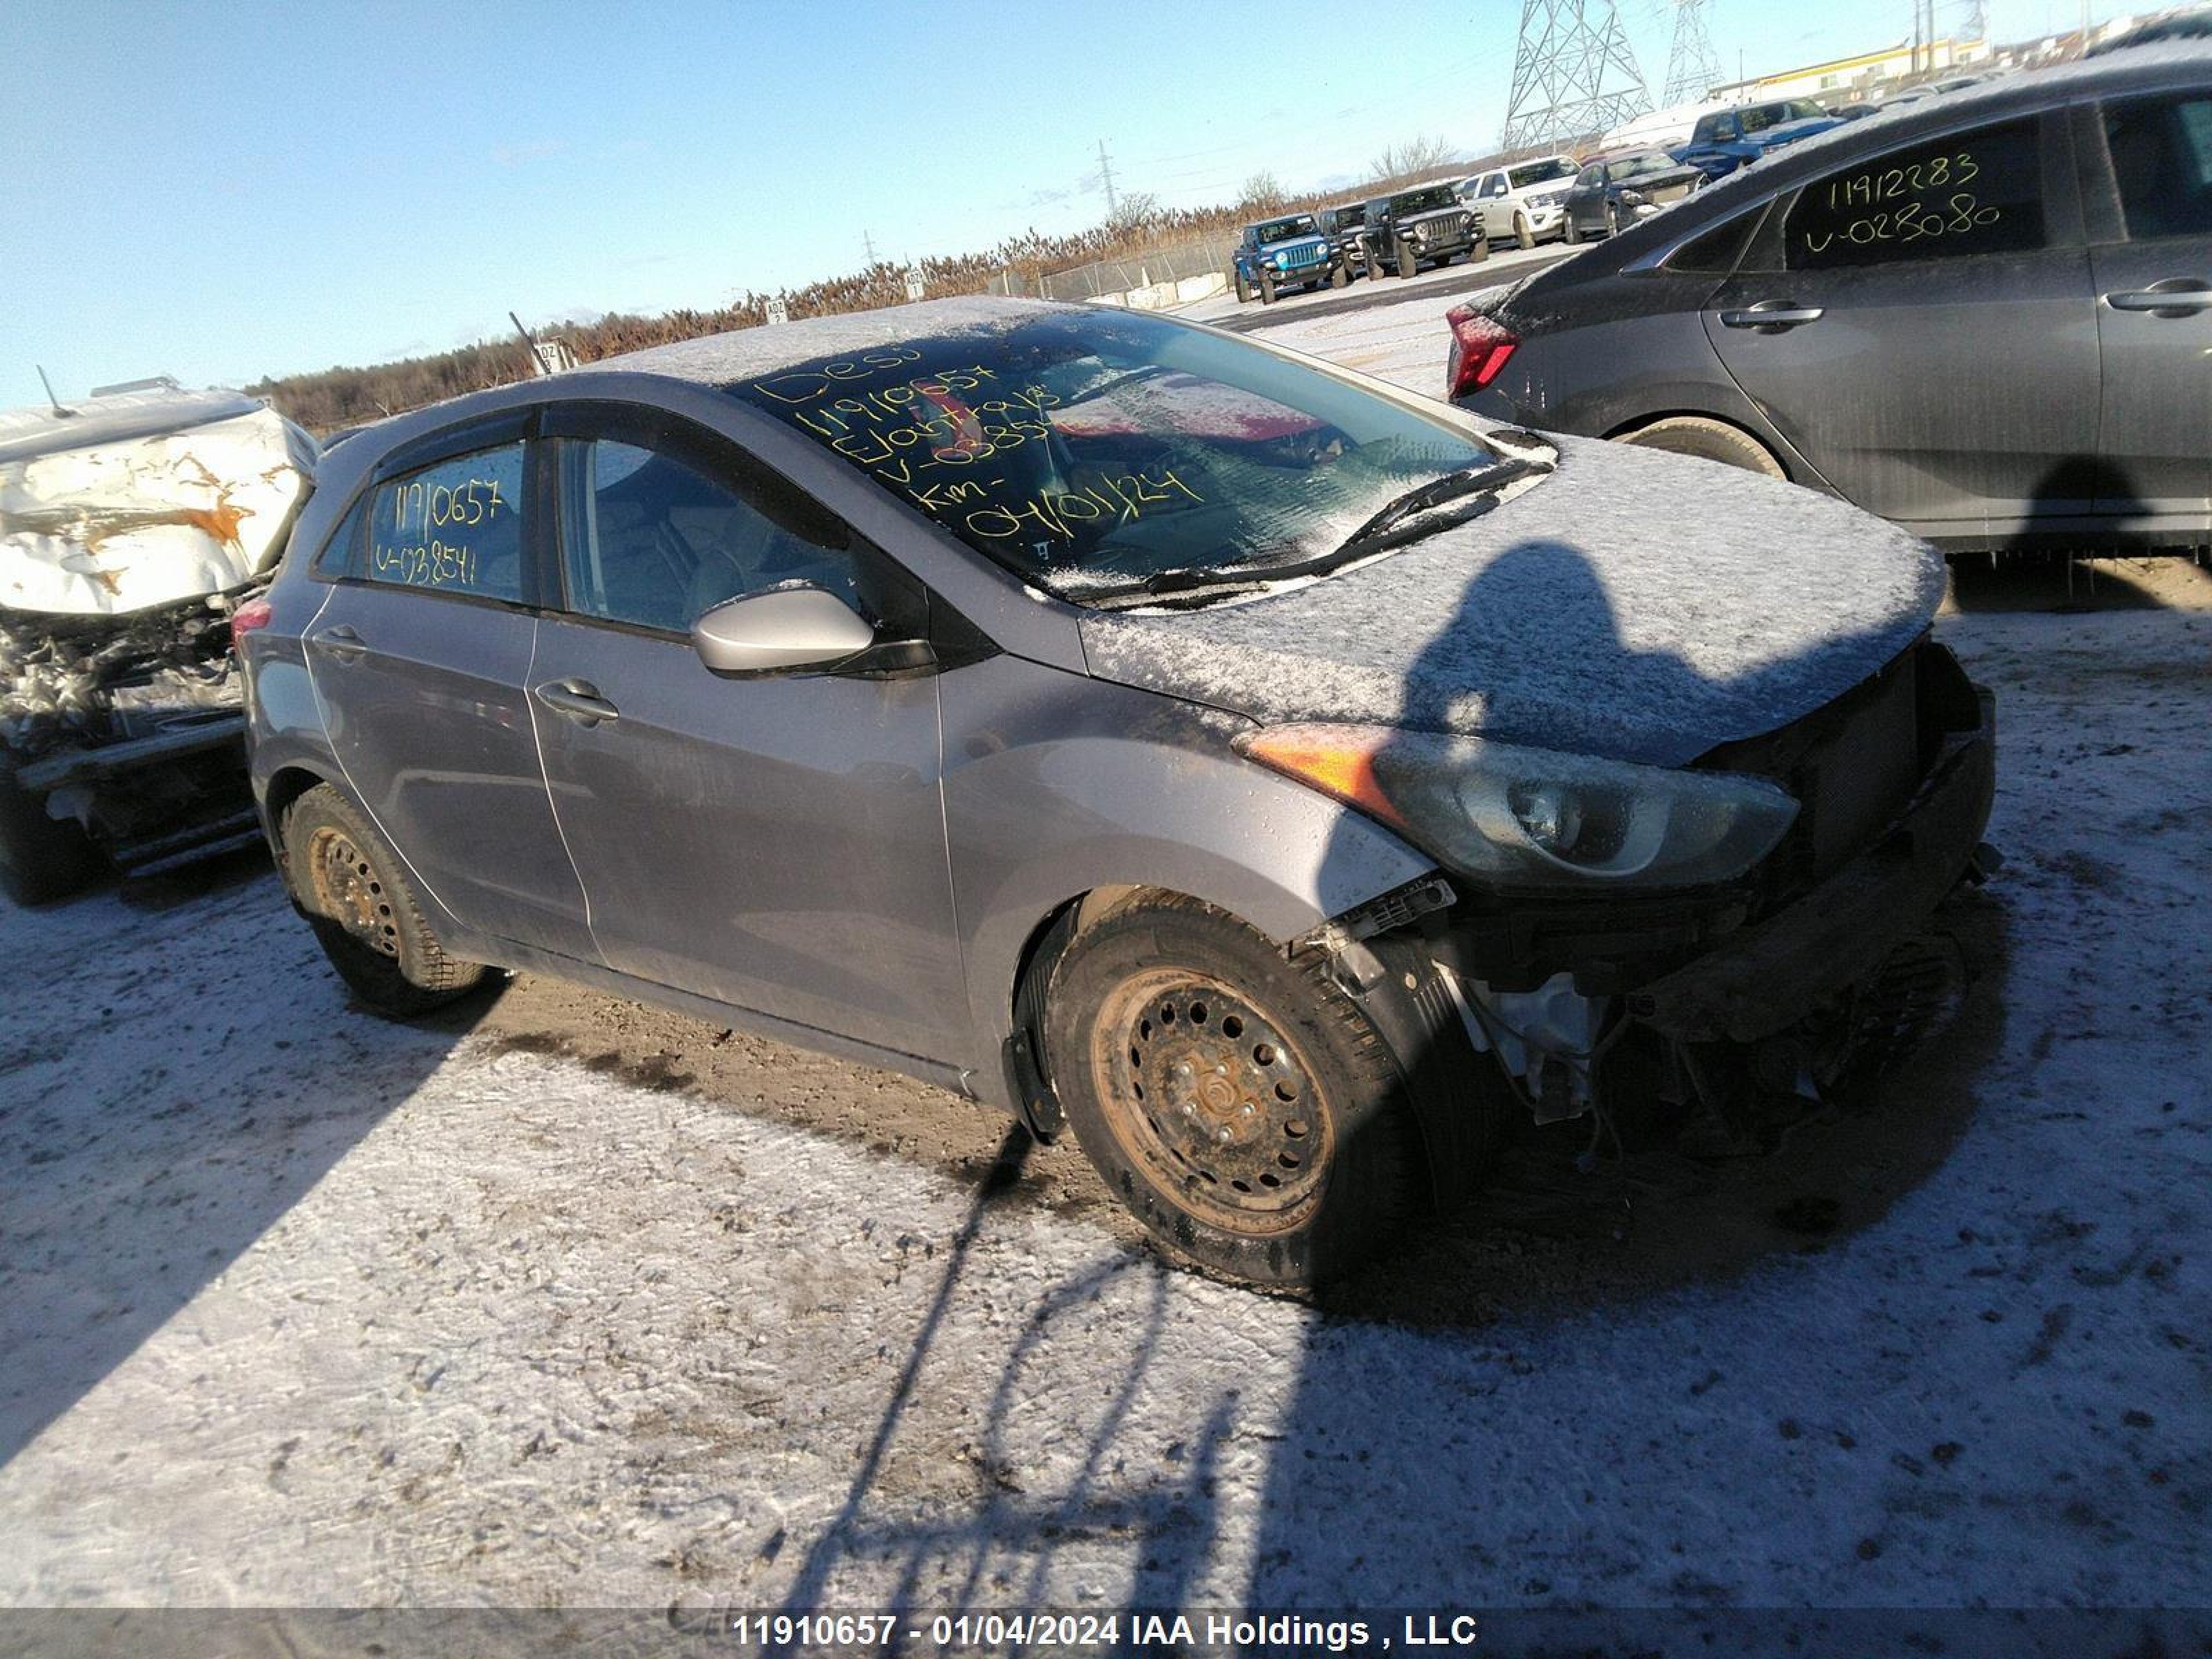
{"points": [[131, 523]]}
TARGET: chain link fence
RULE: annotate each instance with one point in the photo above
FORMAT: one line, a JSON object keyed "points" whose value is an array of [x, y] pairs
{"points": [[1207, 257]]}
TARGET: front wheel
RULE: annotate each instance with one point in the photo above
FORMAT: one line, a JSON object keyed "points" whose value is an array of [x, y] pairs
{"points": [[1244, 287], [1340, 276], [1408, 265], [1574, 233], [1237, 1102], [42, 858], [1266, 288], [363, 906], [1524, 234]]}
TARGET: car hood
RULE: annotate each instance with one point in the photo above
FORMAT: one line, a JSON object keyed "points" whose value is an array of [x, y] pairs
{"points": [[1635, 605]]}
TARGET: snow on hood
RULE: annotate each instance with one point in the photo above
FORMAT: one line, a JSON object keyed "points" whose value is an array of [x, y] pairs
{"points": [[109, 527], [1635, 605]]}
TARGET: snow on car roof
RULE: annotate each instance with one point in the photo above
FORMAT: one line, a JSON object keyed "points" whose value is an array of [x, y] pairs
{"points": [[745, 353]]}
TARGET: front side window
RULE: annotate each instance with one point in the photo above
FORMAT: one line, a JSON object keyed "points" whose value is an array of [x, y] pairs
{"points": [[1089, 452], [1977, 192], [654, 538], [1494, 185], [2161, 151], [453, 527], [1591, 178]]}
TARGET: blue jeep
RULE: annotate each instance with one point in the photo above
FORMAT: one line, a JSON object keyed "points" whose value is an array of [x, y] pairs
{"points": [[1288, 252], [1722, 143]]}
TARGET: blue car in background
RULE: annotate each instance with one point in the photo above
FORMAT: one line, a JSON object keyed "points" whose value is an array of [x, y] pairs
{"points": [[1288, 252], [1722, 143]]}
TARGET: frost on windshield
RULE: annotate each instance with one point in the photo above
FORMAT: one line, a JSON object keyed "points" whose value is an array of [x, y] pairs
{"points": [[1090, 451]]}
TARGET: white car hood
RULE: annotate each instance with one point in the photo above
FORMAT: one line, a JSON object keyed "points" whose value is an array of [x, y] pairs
{"points": [[1635, 605]]}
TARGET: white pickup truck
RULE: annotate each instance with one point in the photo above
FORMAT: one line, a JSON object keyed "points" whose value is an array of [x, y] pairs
{"points": [[132, 523]]}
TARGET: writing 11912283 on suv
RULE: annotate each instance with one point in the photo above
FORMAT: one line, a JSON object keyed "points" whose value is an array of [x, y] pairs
{"points": [[1294, 787]]}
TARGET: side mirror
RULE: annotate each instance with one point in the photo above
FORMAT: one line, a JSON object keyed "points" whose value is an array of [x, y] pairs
{"points": [[801, 626]]}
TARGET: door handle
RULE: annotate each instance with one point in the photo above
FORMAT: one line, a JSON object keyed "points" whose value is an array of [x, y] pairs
{"points": [[2177, 297], [341, 642], [1772, 316], [577, 700]]}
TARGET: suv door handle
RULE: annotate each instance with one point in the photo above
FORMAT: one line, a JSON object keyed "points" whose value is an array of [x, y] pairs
{"points": [[1772, 316], [340, 641], [577, 700], [2177, 297]]}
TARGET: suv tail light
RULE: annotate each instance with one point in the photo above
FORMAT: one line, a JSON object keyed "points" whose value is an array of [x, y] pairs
{"points": [[254, 613], [1479, 349]]}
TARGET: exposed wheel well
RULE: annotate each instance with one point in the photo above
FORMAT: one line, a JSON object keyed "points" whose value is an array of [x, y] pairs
{"points": [[1641, 422], [286, 786]]}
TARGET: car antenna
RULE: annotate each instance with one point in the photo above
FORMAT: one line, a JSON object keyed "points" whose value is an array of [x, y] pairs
{"points": [[66, 414], [537, 363]]}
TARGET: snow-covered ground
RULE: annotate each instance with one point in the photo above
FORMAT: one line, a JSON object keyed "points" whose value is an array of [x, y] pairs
{"points": [[563, 1302]]}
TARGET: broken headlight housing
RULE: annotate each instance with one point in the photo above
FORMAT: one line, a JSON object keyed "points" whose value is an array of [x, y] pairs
{"points": [[1534, 817]]}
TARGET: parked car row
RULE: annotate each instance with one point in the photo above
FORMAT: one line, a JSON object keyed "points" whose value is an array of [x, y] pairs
{"points": [[1986, 316], [1396, 235]]}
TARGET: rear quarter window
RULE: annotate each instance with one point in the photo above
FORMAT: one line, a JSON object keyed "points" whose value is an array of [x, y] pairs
{"points": [[1974, 192]]}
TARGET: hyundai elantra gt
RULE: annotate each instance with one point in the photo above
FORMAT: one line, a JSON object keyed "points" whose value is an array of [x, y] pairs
{"points": [[1291, 784]]}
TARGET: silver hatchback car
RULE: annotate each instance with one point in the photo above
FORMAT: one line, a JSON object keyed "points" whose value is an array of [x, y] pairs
{"points": [[1291, 784]]}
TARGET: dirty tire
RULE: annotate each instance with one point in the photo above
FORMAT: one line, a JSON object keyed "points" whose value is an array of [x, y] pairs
{"points": [[1340, 276], [1574, 230], [1612, 220], [1480, 252], [1322, 1168], [42, 859], [1524, 234], [1408, 265], [335, 860], [1712, 441], [1243, 287], [1266, 288]]}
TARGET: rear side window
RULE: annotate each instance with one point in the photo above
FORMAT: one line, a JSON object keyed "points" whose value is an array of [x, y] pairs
{"points": [[453, 527], [2161, 150], [1975, 193]]}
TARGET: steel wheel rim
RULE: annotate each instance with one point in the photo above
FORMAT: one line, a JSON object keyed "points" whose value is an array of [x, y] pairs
{"points": [[1202, 1088], [349, 892]]}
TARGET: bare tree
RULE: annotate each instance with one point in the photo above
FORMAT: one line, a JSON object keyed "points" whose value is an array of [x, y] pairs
{"points": [[1423, 153], [1261, 193], [1136, 210]]}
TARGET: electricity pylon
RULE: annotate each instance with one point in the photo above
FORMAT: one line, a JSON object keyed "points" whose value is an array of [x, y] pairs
{"points": [[1572, 73], [1693, 68]]}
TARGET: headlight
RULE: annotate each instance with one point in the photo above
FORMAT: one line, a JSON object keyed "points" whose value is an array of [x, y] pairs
{"points": [[1532, 817], [1282, 258]]}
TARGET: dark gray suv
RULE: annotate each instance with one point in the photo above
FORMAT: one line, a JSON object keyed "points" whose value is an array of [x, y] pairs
{"points": [[1987, 317], [1290, 783]]}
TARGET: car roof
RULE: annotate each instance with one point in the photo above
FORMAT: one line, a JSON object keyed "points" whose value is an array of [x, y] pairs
{"points": [[2023, 92], [745, 353]]}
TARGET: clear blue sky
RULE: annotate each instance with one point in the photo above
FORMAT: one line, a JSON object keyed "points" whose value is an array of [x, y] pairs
{"points": [[223, 191]]}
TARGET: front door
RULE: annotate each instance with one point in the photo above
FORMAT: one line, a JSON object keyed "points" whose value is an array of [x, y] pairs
{"points": [[2154, 315], [773, 842], [1922, 328], [419, 658]]}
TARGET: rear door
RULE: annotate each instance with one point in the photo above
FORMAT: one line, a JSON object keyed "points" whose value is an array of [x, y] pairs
{"points": [[2154, 281], [419, 658], [776, 843], [1921, 326]]}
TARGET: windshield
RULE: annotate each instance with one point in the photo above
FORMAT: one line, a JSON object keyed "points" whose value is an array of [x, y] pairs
{"points": [[1420, 201], [1347, 218], [1764, 116], [1279, 230], [1087, 453], [1634, 167], [1540, 172]]}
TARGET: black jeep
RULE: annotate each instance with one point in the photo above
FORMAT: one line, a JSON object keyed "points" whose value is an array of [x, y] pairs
{"points": [[1343, 224], [1425, 224]]}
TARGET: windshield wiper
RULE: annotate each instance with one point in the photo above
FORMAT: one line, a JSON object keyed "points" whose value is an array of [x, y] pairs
{"points": [[1394, 526]]}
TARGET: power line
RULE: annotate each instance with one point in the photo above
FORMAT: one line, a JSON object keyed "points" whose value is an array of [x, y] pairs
{"points": [[1572, 73]]}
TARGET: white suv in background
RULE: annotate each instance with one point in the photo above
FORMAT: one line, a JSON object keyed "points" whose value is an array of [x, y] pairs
{"points": [[1526, 202]]}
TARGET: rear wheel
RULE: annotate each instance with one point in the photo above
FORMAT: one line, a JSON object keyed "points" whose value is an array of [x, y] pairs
{"points": [[1709, 440], [1244, 287], [363, 908], [42, 859], [1239, 1102]]}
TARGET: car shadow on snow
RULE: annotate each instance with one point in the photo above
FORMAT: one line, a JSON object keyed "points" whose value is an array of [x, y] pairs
{"points": [[166, 1097]]}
